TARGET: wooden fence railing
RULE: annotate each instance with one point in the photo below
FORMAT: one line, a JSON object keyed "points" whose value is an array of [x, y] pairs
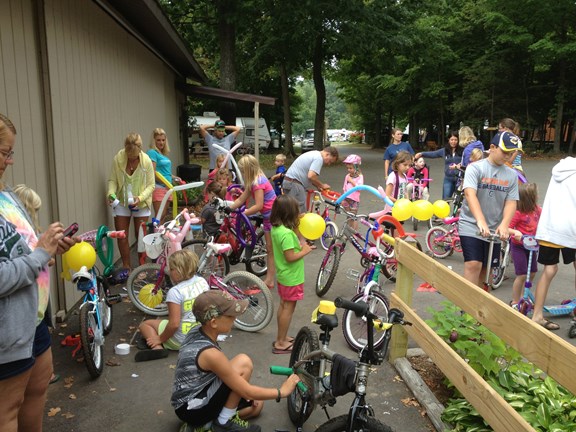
{"points": [[553, 355]]}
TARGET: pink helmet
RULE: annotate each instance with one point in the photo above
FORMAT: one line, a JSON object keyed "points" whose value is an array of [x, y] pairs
{"points": [[353, 159]]}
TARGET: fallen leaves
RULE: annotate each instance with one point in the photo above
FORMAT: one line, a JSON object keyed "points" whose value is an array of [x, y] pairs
{"points": [[53, 411], [113, 362], [72, 396], [68, 382], [410, 402]]}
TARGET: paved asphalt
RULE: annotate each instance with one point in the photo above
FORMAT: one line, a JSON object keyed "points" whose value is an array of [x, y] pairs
{"points": [[133, 396]]}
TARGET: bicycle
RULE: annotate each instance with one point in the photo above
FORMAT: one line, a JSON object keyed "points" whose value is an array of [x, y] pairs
{"points": [[331, 229], [331, 261], [442, 242], [149, 282], [311, 357], [244, 235], [417, 190], [95, 312], [457, 199]]}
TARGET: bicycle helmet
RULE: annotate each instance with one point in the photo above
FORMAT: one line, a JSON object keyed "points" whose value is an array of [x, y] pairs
{"points": [[353, 159]]}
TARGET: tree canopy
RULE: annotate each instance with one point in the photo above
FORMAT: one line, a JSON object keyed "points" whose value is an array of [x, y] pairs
{"points": [[431, 63]]}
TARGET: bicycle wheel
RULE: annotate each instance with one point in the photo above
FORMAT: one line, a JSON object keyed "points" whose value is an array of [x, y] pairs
{"points": [[363, 423], [439, 242], [244, 285], [146, 276], [390, 268], [354, 328], [258, 264], [92, 340], [105, 308], [218, 264], [328, 235], [498, 272], [328, 270], [306, 342]]}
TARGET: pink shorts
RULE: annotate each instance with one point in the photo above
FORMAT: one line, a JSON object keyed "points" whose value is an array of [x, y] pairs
{"points": [[291, 293], [159, 193]]}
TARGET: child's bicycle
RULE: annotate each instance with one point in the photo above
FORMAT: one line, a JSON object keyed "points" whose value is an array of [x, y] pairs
{"points": [[244, 235], [417, 190], [315, 199], [457, 199], [149, 282], [442, 242], [311, 359], [95, 311]]}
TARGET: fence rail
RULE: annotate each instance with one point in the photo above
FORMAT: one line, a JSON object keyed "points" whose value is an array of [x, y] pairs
{"points": [[552, 354]]}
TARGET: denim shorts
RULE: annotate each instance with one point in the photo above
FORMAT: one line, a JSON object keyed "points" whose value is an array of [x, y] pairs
{"points": [[42, 342]]}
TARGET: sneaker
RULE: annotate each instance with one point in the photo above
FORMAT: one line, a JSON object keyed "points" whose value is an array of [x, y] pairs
{"points": [[235, 424], [515, 306], [187, 428]]}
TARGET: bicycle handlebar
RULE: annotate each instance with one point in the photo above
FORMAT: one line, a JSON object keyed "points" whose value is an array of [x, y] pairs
{"points": [[287, 371], [116, 234]]}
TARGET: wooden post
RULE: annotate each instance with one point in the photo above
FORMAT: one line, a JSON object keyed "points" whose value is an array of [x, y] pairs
{"points": [[256, 130], [404, 290]]}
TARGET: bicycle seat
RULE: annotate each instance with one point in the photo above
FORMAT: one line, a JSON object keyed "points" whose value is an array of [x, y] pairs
{"points": [[330, 321], [373, 252], [451, 220], [258, 219], [220, 248]]}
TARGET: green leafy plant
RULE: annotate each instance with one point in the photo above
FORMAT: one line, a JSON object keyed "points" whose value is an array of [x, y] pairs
{"points": [[192, 195], [541, 401]]}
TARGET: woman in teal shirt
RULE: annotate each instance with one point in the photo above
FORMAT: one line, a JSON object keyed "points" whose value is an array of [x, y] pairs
{"points": [[159, 150]]}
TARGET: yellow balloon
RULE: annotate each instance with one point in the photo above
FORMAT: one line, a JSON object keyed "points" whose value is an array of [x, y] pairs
{"points": [[423, 210], [81, 254], [402, 209], [312, 226], [441, 209]]}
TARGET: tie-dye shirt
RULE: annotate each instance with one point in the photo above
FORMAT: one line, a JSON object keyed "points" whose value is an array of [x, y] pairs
{"points": [[13, 211]]}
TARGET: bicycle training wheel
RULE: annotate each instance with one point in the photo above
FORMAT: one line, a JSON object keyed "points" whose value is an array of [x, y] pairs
{"points": [[355, 329], [306, 342], [439, 242], [105, 308], [146, 277], [92, 340], [328, 271], [362, 423], [328, 235], [219, 264], [258, 264], [244, 285]]}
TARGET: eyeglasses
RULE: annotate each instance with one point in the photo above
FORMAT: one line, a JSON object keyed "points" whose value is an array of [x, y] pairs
{"points": [[7, 154]]}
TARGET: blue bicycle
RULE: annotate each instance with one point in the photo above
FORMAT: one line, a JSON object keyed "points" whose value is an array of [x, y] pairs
{"points": [[96, 308]]}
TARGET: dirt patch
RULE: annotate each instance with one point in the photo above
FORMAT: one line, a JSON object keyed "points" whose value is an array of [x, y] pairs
{"points": [[432, 376]]}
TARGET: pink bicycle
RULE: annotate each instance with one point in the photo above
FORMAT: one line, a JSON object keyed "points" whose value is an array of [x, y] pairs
{"points": [[442, 242]]}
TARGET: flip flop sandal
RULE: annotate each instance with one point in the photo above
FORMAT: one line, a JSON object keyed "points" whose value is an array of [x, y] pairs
{"points": [[150, 354], [55, 378], [141, 343], [549, 325], [287, 350]]}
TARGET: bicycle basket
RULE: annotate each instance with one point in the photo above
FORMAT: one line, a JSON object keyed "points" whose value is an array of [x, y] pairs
{"points": [[154, 245]]}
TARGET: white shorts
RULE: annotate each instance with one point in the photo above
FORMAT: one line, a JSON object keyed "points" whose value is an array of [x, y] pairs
{"points": [[120, 210]]}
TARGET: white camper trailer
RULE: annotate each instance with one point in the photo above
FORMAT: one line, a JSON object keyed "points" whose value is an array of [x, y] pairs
{"points": [[247, 133]]}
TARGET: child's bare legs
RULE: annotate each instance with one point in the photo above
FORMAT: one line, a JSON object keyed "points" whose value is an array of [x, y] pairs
{"points": [[284, 318], [271, 273], [243, 364], [122, 223], [149, 329], [518, 287], [542, 291], [475, 272]]}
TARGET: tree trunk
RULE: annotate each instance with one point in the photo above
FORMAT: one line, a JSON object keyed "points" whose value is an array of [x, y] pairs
{"points": [[572, 138], [560, 97], [319, 127], [378, 127], [286, 108], [227, 40]]}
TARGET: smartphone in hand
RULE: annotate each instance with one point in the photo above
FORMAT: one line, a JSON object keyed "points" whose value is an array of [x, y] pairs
{"points": [[71, 230]]}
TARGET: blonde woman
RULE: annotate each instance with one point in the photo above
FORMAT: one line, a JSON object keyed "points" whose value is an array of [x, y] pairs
{"points": [[131, 182], [158, 153], [395, 147], [467, 140], [263, 196]]}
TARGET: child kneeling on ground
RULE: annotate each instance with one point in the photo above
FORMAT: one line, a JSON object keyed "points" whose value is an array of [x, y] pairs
{"points": [[168, 334], [209, 387]]}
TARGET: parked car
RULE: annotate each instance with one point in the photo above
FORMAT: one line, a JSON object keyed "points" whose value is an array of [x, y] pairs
{"points": [[308, 140]]}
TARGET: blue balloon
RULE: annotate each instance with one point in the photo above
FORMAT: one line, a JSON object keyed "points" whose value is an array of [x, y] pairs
{"points": [[368, 189]]}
